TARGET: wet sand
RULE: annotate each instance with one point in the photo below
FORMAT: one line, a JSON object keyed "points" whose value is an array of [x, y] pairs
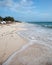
{"points": [[10, 41], [16, 50], [36, 54]]}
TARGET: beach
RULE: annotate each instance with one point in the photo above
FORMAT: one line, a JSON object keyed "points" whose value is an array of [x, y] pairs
{"points": [[25, 32], [10, 41], [25, 44], [35, 54]]}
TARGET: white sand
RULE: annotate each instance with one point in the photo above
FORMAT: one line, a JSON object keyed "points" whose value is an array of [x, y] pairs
{"points": [[25, 53], [10, 41], [36, 54]]}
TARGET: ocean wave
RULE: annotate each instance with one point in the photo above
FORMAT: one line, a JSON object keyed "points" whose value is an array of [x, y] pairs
{"points": [[43, 24], [48, 26], [37, 33]]}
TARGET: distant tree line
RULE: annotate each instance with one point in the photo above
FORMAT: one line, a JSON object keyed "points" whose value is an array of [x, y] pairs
{"points": [[7, 19]]}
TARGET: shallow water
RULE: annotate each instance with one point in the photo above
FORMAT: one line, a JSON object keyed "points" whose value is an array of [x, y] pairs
{"points": [[37, 33]]}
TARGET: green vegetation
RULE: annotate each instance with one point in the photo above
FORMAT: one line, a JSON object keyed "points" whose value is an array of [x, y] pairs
{"points": [[1, 19], [8, 19]]}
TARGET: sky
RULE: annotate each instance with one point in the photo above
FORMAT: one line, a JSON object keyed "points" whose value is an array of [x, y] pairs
{"points": [[27, 10]]}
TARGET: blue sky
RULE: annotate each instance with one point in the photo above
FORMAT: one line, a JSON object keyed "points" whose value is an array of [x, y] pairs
{"points": [[27, 10]]}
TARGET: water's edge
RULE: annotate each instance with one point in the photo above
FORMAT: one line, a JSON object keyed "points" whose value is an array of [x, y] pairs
{"points": [[36, 35]]}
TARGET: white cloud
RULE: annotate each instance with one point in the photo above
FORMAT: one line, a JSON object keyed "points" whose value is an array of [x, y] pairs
{"points": [[22, 5], [24, 0]]}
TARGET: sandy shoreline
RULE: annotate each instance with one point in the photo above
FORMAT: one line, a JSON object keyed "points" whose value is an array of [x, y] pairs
{"points": [[10, 41], [36, 54], [17, 50]]}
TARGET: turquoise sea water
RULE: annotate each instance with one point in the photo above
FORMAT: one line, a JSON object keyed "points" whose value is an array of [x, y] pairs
{"points": [[43, 24]]}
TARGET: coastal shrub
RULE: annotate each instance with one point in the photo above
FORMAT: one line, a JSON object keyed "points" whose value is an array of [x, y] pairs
{"points": [[9, 19], [1, 18]]}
